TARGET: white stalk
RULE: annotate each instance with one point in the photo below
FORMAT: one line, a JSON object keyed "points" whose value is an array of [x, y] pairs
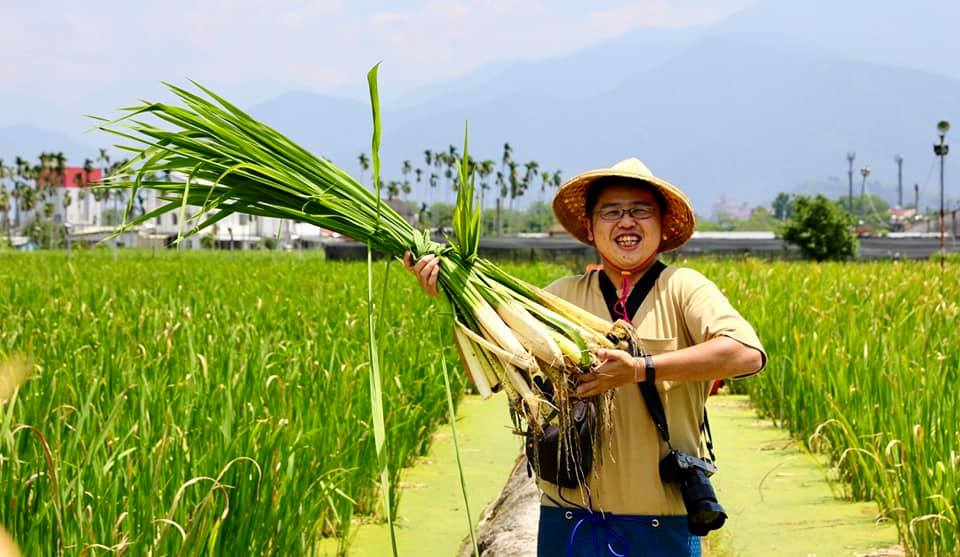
{"points": [[532, 334], [578, 315], [519, 384], [471, 361], [524, 362], [498, 331]]}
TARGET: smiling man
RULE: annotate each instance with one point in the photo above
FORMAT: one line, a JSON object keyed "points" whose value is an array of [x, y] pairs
{"points": [[689, 335]]}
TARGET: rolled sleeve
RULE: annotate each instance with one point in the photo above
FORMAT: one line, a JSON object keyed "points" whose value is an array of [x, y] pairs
{"points": [[708, 314]]}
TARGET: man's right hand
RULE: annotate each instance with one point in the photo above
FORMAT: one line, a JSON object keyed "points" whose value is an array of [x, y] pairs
{"points": [[426, 269]]}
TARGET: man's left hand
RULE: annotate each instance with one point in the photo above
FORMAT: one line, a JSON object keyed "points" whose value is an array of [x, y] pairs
{"points": [[618, 368]]}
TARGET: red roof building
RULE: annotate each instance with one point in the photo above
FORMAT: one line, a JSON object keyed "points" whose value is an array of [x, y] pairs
{"points": [[75, 177]]}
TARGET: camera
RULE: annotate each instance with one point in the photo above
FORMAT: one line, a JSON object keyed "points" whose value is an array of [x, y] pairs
{"points": [[704, 513]]}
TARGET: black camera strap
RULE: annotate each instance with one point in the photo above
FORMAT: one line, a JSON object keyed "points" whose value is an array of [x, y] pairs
{"points": [[648, 388]]}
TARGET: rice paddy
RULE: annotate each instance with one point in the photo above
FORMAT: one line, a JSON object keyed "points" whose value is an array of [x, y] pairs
{"points": [[213, 403], [218, 402], [864, 362]]}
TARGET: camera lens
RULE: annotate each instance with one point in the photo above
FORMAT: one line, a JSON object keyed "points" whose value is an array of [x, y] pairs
{"points": [[704, 513]]}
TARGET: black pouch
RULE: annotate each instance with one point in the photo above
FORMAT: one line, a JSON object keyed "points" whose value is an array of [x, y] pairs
{"points": [[564, 458]]}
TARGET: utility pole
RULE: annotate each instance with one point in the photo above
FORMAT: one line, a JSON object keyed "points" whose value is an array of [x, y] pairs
{"points": [[850, 156], [916, 199], [865, 171], [899, 159], [941, 149]]}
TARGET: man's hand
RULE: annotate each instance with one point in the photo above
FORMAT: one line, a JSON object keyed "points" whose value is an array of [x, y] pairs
{"points": [[426, 269], [618, 368]]}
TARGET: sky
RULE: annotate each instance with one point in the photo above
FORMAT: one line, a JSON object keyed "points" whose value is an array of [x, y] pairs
{"points": [[57, 55]]}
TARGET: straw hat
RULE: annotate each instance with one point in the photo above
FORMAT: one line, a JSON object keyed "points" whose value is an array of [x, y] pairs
{"points": [[569, 205]]}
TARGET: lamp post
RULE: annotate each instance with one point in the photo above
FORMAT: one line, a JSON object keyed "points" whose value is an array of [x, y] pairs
{"points": [[899, 159], [850, 156], [865, 171], [941, 149]]}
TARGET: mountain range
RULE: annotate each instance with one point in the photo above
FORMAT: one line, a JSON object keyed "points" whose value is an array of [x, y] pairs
{"points": [[764, 101]]}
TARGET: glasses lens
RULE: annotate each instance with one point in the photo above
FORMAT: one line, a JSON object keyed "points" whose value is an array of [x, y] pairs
{"points": [[611, 213], [616, 213]]}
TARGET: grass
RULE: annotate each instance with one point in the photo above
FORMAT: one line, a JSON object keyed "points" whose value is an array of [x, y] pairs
{"points": [[219, 403], [213, 403], [864, 362]]}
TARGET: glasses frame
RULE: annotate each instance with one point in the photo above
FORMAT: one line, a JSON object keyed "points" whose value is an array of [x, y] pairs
{"points": [[615, 213]]}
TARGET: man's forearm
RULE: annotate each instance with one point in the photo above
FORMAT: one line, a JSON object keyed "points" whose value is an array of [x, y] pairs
{"points": [[718, 358]]}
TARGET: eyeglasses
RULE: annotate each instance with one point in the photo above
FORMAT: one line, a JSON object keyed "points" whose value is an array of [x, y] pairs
{"points": [[640, 212]]}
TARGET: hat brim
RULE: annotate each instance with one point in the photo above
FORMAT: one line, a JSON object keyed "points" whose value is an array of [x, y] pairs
{"points": [[570, 206]]}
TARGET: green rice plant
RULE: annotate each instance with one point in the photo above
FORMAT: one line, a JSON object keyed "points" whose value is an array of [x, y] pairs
{"points": [[209, 154], [208, 402], [864, 363]]}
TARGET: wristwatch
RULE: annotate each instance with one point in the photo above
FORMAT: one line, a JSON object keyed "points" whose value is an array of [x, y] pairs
{"points": [[650, 372]]}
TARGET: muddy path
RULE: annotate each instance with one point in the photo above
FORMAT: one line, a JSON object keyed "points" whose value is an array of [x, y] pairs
{"points": [[777, 495]]}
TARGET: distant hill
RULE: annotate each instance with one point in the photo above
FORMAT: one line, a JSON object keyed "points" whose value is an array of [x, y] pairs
{"points": [[921, 34], [725, 115], [768, 100]]}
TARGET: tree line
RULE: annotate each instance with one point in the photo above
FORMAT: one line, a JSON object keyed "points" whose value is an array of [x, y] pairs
{"points": [[436, 182], [30, 190]]}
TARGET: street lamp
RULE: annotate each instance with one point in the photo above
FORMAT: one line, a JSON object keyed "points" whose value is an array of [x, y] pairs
{"points": [[941, 150], [865, 171], [899, 159], [850, 156]]}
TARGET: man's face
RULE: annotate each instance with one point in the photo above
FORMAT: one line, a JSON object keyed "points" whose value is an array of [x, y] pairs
{"points": [[632, 238]]}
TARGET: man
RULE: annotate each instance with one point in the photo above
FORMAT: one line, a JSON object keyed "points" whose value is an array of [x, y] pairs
{"points": [[693, 334]]}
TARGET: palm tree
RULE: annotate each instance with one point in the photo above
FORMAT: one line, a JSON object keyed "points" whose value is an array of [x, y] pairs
{"points": [[28, 198], [450, 160], [406, 170], [364, 161], [21, 171], [484, 170], [433, 184], [546, 179], [59, 165], [515, 183], [418, 175], [505, 160], [533, 167], [393, 189]]}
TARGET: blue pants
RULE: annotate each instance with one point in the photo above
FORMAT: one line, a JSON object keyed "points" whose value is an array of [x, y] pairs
{"points": [[576, 533]]}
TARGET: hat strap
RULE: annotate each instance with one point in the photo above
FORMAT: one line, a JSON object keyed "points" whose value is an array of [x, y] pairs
{"points": [[620, 306]]}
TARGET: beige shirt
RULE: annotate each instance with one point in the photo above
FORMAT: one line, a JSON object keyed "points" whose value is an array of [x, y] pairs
{"points": [[683, 309]]}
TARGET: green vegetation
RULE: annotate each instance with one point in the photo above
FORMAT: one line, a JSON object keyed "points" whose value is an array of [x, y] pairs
{"points": [[760, 219], [212, 401], [864, 362], [821, 229], [157, 375]]}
